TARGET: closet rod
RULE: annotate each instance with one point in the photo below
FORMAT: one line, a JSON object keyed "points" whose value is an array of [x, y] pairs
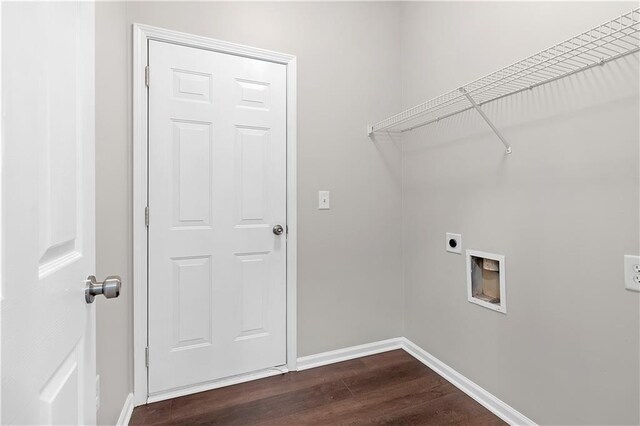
{"points": [[607, 42]]}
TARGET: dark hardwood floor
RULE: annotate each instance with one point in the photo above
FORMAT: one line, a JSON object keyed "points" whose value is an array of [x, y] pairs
{"points": [[389, 388]]}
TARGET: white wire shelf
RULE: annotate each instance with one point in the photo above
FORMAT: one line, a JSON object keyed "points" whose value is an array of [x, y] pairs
{"points": [[597, 46]]}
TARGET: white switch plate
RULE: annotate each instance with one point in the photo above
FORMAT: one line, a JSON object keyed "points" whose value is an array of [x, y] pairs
{"points": [[458, 243], [632, 272], [323, 200]]}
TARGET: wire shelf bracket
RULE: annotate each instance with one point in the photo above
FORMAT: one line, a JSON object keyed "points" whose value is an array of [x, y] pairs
{"points": [[484, 116], [607, 42]]}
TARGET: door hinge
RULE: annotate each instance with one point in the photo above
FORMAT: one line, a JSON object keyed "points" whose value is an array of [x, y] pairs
{"points": [[146, 216], [146, 357], [146, 75]]}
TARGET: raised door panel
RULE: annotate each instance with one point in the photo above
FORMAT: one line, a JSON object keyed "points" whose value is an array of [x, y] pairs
{"points": [[192, 169], [252, 158], [61, 398], [192, 309], [253, 296], [60, 152], [192, 85], [253, 94]]}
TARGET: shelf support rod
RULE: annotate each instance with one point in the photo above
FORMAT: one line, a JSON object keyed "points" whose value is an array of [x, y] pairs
{"points": [[484, 116]]}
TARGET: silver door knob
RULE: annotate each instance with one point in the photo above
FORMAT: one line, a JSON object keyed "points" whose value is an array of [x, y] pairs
{"points": [[109, 288], [278, 229]]}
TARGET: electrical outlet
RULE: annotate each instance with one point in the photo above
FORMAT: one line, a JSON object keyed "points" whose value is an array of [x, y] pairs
{"points": [[632, 272], [454, 243]]}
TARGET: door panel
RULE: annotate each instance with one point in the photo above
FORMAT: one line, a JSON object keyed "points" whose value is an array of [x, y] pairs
{"points": [[254, 296], [48, 356], [192, 165], [217, 186], [252, 149], [192, 302]]}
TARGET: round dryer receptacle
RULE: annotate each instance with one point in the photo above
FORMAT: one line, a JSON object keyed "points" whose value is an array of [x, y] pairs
{"points": [[453, 243]]}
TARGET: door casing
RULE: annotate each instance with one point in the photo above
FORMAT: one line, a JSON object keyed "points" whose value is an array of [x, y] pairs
{"points": [[141, 36]]}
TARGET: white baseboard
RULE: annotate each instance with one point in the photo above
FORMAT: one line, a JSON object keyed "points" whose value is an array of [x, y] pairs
{"points": [[483, 397], [346, 354], [127, 410], [228, 381]]}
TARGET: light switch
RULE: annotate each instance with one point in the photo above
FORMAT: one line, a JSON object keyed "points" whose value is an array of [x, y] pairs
{"points": [[323, 200]]}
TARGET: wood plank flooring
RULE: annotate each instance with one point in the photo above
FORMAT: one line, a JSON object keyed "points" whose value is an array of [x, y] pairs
{"points": [[388, 388]]}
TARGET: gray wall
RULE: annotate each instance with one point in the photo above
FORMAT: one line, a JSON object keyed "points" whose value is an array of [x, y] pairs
{"points": [[563, 209], [349, 271], [114, 341]]}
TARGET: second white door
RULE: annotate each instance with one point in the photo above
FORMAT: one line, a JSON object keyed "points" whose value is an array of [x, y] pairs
{"points": [[217, 194]]}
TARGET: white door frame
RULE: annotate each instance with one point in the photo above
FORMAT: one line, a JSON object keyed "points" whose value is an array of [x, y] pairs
{"points": [[1, 198], [141, 36]]}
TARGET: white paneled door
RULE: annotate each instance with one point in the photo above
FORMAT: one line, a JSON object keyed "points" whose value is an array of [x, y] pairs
{"points": [[48, 243], [217, 216]]}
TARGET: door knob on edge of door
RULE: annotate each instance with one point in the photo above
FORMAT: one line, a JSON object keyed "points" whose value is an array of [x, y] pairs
{"points": [[278, 229], [109, 288]]}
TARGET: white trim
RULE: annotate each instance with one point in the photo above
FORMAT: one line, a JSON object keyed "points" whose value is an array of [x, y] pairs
{"points": [[206, 43], [292, 214], [227, 381], [127, 410], [139, 227], [346, 354], [2, 228], [500, 307], [483, 397], [141, 35]]}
